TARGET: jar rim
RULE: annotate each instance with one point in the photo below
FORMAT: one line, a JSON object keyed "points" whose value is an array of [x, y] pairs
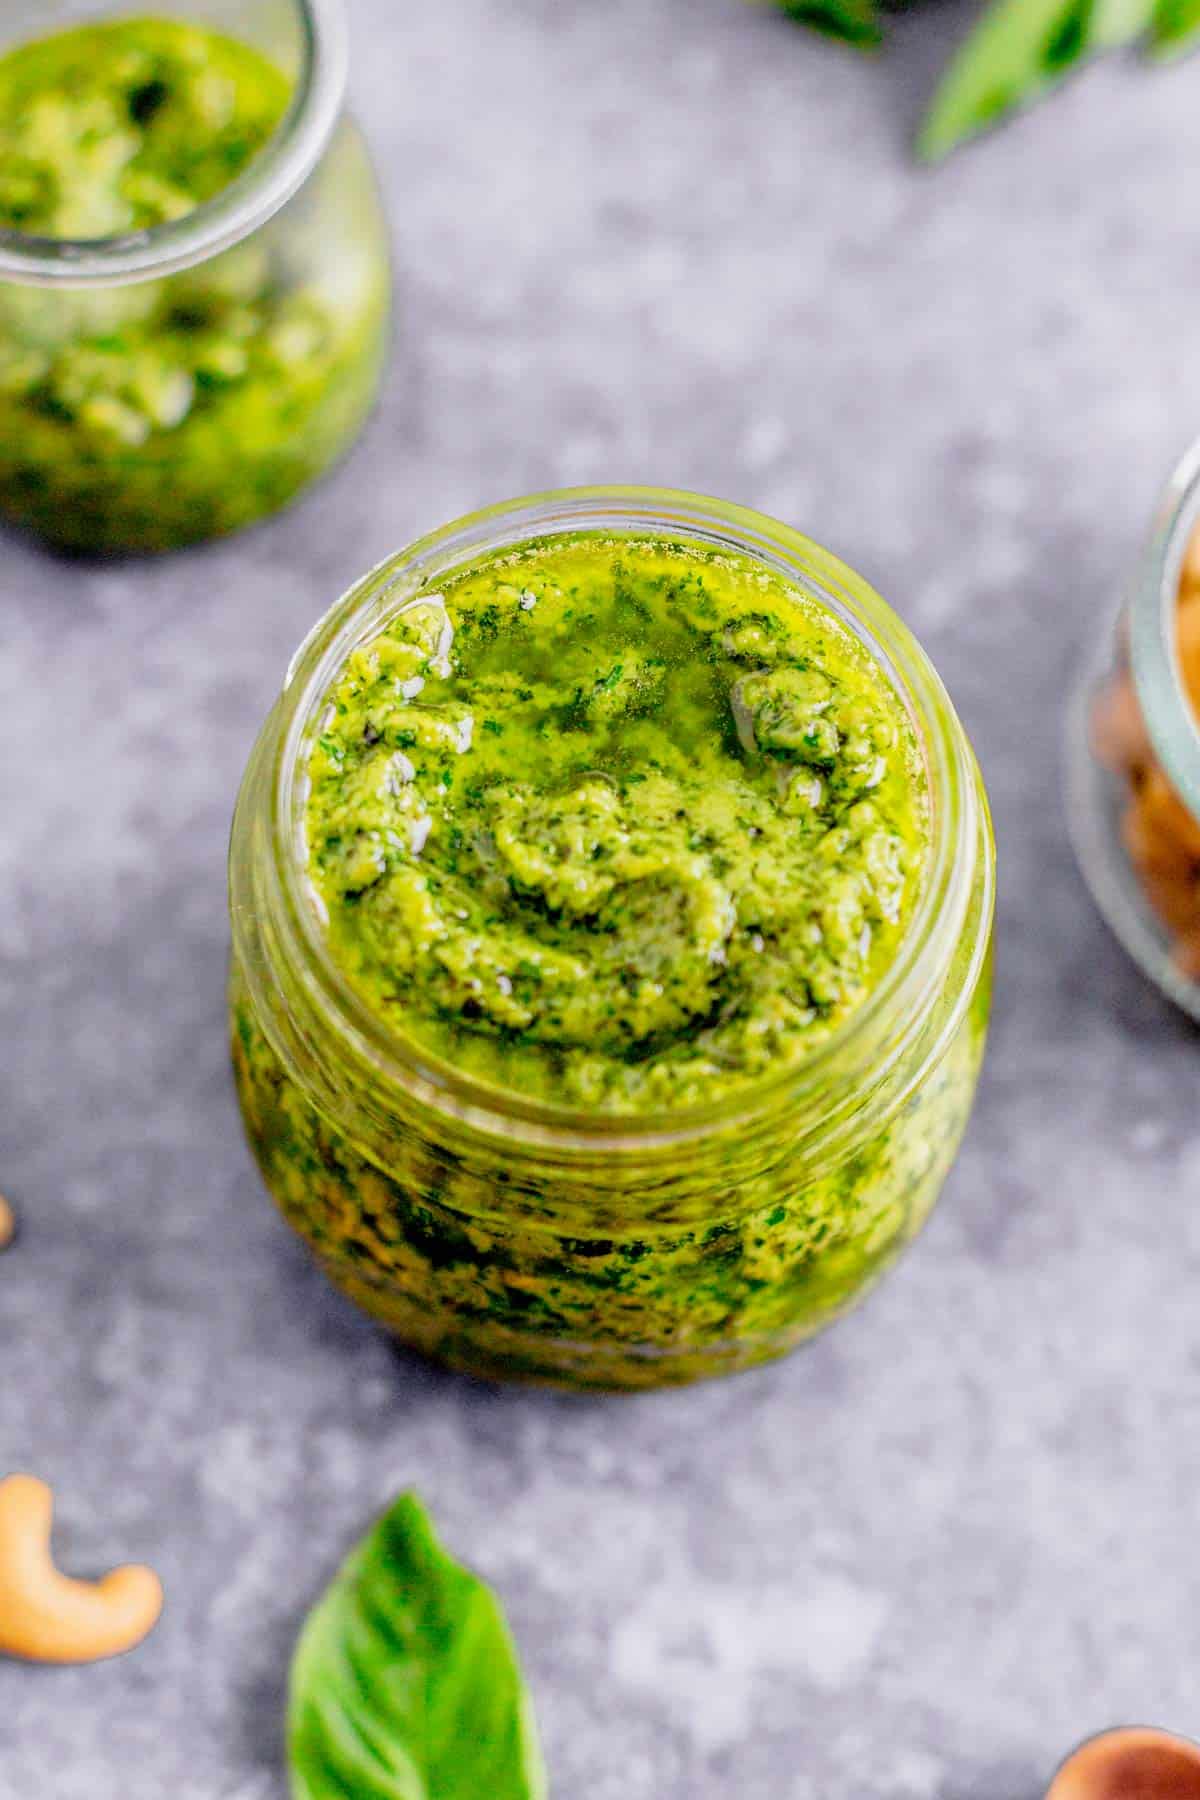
{"points": [[1154, 636], [874, 1037], [240, 209]]}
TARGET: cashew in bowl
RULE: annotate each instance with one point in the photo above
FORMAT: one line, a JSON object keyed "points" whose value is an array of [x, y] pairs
{"points": [[45, 1616]]}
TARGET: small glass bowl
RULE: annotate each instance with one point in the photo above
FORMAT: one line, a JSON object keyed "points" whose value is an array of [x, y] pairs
{"points": [[1133, 758]]}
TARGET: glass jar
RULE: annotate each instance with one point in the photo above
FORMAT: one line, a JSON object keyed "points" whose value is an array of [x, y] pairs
{"points": [[513, 1238], [1133, 754], [182, 381]]}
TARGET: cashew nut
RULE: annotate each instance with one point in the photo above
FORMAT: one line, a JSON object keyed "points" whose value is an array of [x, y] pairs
{"points": [[44, 1616], [8, 1223]]}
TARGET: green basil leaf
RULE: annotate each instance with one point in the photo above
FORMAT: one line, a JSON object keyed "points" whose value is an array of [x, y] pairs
{"points": [[405, 1683], [1176, 23], [1021, 49], [854, 21]]}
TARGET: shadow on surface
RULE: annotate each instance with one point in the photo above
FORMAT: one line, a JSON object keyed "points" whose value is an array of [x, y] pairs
{"points": [[260, 1724], [919, 42], [433, 1380]]}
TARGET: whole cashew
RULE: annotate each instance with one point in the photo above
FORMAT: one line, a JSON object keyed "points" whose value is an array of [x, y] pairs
{"points": [[44, 1616], [8, 1224]]}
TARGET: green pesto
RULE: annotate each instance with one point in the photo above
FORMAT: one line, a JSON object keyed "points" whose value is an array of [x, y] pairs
{"points": [[509, 1270], [146, 416], [619, 825], [624, 826], [112, 128]]}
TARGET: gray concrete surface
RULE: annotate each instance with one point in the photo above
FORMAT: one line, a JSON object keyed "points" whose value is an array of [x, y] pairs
{"points": [[670, 240]]}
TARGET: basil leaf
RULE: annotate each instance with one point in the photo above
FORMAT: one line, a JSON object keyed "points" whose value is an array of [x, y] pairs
{"points": [[1020, 50], [405, 1683], [1176, 22], [855, 21]]}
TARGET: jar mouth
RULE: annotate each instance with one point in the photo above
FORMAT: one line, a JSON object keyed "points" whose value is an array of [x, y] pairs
{"points": [[874, 1036], [1154, 634], [252, 198]]}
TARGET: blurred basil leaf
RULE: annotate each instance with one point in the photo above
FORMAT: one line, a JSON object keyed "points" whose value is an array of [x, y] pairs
{"points": [[1020, 50], [855, 21], [1176, 23]]}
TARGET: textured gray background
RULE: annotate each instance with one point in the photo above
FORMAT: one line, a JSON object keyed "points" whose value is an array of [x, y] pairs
{"points": [[673, 241]]}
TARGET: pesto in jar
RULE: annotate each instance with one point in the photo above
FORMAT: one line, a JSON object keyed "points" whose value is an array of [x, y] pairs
{"points": [[615, 824], [148, 415], [625, 826]]}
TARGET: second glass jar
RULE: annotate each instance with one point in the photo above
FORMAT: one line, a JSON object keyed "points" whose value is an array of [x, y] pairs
{"points": [[1133, 753], [180, 382]]}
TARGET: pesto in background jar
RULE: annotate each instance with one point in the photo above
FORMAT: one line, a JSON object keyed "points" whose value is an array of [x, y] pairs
{"points": [[612, 1030], [194, 284]]}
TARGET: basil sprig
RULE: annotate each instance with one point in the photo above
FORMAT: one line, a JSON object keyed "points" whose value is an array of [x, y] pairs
{"points": [[857, 21], [1176, 22], [1019, 51], [405, 1683]]}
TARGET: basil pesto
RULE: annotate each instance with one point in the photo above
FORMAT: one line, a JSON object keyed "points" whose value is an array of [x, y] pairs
{"points": [[624, 826], [148, 415], [615, 824]]}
